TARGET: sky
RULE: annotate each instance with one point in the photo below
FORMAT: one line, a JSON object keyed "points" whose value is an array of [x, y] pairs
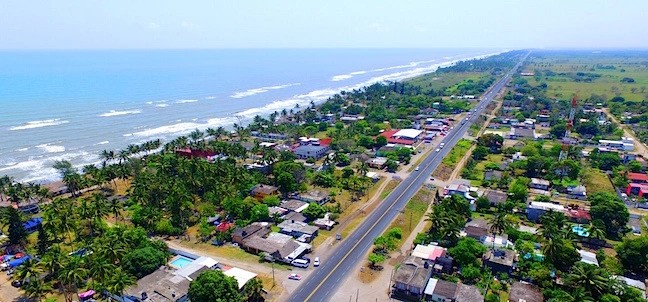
{"points": [[156, 24]]}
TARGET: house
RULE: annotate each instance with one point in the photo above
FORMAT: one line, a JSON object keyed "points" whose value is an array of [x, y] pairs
{"points": [[588, 257], [625, 144], [440, 290], [539, 184], [429, 252], [256, 228], [460, 189], [468, 293], [310, 151], [499, 261], [195, 153], [520, 133], [496, 197], [277, 246], [377, 162], [477, 228], [525, 292], [32, 224], [295, 216], [240, 275], [638, 178], [407, 137], [262, 191], [324, 223], [518, 156], [577, 192], [536, 209], [268, 136], [375, 177], [160, 286], [411, 277], [319, 197], [578, 215], [638, 284], [493, 175], [56, 188], [300, 230], [278, 211], [639, 189], [628, 157], [294, 205]]}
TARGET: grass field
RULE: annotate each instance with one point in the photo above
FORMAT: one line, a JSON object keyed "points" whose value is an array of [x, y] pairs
{"points": [[597, 181], [444, 80], [609, 69], [413, 212], [457, 152]]}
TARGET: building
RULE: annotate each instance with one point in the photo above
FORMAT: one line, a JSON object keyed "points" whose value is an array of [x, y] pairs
{"points": [[459, 189], [407, 137], [493, 175], [324, 223], [638, 284], [521, 133], [319, 197], [276, 246], [375, 177], [32, 224], [262, 191], [638, 178], [578, 215], [638, 189], [625, 144], [295, 216], [195, 153], [468, 293], [477, 228], [300, 230], [256, 228], [499, 261], [429, 252], [377, 163], [525, 292], [577, 192], [536, 209], [588, 257], [410, 278], [294, 205], [160, 286], [440, 290], [539, 184], [496, 197], [310, 151], [242, 276]]}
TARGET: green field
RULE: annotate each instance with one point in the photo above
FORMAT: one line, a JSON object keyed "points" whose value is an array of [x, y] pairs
{"points": [[604, 70], [457, 152], [444, 80]]}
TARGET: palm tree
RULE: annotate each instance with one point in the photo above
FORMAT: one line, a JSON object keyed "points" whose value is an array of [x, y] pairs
{"points": [[107, 156], [71, 276], [114, 206], [36, 289], [589, 277], [28, 271], [253, 290], [363, 169], [595, 232], [500, 222], [119, 281]]}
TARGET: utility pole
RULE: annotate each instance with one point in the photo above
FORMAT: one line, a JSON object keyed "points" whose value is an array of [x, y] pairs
{"points": [[357, 294]]}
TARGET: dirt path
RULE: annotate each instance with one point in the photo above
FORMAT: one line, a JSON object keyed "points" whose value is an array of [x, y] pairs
{"points": [[640, 147]]}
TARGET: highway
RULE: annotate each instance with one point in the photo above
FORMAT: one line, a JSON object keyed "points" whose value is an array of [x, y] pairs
{"points": [[324, 280]]}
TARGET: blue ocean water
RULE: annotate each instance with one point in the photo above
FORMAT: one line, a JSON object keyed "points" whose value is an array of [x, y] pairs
{"points": [[72, 104]]}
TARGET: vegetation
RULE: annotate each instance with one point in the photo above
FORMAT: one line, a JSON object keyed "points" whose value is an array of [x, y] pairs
{"points": [[213, 285]]}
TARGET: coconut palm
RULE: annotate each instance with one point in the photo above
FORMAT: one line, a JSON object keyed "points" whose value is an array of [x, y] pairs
{"points": [[107, 157], [28, 271], [589, 277], [71, 276], [500, 222], [119, 281], [595, 232], [36, 289]]}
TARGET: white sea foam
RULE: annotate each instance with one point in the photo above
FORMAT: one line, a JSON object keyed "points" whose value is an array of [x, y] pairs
{"points": [[102, 143], [255, 91], [39, 168], [39, 124], [50, 148], [22, 149], [210, 98], [184, 127], [185, 101], [118, 113], [341, 77], [162, 105], [349, 75]]}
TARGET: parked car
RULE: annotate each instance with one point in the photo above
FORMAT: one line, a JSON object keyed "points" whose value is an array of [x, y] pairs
{"points": [[417, 168], [294, 277], [303, 263], [316, 262], [17, 283]]}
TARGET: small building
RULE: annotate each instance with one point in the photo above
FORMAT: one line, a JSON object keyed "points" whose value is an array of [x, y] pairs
{"points": [[407, 137], [539, 184], [295, 216], [477, 228], [639, 189], [500, 261], [324, 223], [277, 246], [294, 205], [310, 151], [242, 276], [638, 284], [160, 286], [496, 198], [468, 293], [262, 191], [578, 215], [493, 175], [523, 133], [525, 292], [32, 224], [638, 178], [299, 230], [256, 228], [319, 197], [588, 257], [536, 209], [377, 162], [625, 144], [440, 290], [429, 252], [577, 192], [56, 188], [375, 177], [411, 277]]}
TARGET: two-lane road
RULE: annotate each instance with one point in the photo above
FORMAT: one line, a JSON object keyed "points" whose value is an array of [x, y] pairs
{"points": [[324, 280]]}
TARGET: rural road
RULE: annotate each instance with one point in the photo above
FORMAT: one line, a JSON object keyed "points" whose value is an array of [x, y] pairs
{"points": [[324, 280]]}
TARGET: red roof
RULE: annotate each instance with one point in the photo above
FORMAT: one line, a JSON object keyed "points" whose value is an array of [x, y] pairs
{"points": [[638, 177], [325, 141], [224, 226], [191, 153], [579, 214], [389, 135]]}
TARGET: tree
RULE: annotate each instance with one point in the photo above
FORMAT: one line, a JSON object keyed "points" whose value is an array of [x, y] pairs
{"points": [[482, 203], [253, 290], [518, 190], [375, 260], [635, 166], [36, 289], [632, 254], [380, 141], [17, 233], [214, 286], [119, 281], [314, 211], [491, 141], [467, 251], [609, 209], [558, 130], [287, 183], [501, 222], [143, 261], [480, 153], [590, 277], [259, 212], [272, 200], [470, 274]]}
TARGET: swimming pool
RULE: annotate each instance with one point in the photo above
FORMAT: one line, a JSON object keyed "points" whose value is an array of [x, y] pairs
{"points": [[580, 231], [180, 261]]}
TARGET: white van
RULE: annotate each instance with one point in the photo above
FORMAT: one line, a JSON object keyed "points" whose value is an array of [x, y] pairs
{"points": [[300, 263]]}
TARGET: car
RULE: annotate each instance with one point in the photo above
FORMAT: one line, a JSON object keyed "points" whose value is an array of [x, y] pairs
{"points": [[437, 150], [338, 236], [17, 283], [451, 128], [417, 168], [294, 277], [316, 262]]}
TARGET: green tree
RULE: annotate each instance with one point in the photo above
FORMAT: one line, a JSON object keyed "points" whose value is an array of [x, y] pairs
{"points": [[480, 153], [558, 130], [609, 209], [272, 200], [253, 290], [314, 211], [17, 233], [36, 289], [143, 261], [491, 141], [214, 286], [375, 260], [380, 141], [467, 251], [259, 212], [590, 277], [119, 281], [632, 254]]}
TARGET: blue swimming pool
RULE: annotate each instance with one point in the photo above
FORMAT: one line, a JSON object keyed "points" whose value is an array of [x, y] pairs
{"points": [[580, 231], [180, 262]]}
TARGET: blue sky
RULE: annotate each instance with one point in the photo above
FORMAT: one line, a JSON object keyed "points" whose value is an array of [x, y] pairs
{"points": [[116, 24]]}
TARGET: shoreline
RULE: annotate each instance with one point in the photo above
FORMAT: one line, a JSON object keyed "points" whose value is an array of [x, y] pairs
{"points": [[243, 117]]}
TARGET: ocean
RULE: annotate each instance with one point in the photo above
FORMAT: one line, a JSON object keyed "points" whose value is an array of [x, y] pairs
{"points": [[70, 105]]}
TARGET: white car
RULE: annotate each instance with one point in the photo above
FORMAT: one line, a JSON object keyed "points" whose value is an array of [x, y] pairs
{"points": [[316, 262], [417, 168], [437, 150]]}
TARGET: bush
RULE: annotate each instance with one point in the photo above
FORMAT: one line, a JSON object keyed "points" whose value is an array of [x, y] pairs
{"points": [[143, 261]]}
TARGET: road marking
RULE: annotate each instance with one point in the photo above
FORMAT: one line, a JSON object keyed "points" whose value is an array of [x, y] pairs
{"points": [[385, 212]]}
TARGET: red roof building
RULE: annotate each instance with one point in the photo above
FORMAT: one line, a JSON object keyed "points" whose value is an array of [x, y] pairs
{"points": [[578, 215], [638, 189], [637, 177], [403, 137], [192, 153]]}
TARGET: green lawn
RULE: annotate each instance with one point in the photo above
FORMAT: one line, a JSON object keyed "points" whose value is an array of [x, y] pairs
{"points": [[457, 152], [416, 207], [438, 81], [597, 181]]}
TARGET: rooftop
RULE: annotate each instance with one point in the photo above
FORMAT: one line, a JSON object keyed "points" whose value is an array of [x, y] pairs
{"points": [[546, 206], [496, 197], [440, 288], [412, 272], [428, 252], [294, 205], [539, 181], [503, 257], [468, 293], [264, 189], [525, 292], [242, 276], [297, 226], [160, 286], [408, 133], [637, 177]]}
